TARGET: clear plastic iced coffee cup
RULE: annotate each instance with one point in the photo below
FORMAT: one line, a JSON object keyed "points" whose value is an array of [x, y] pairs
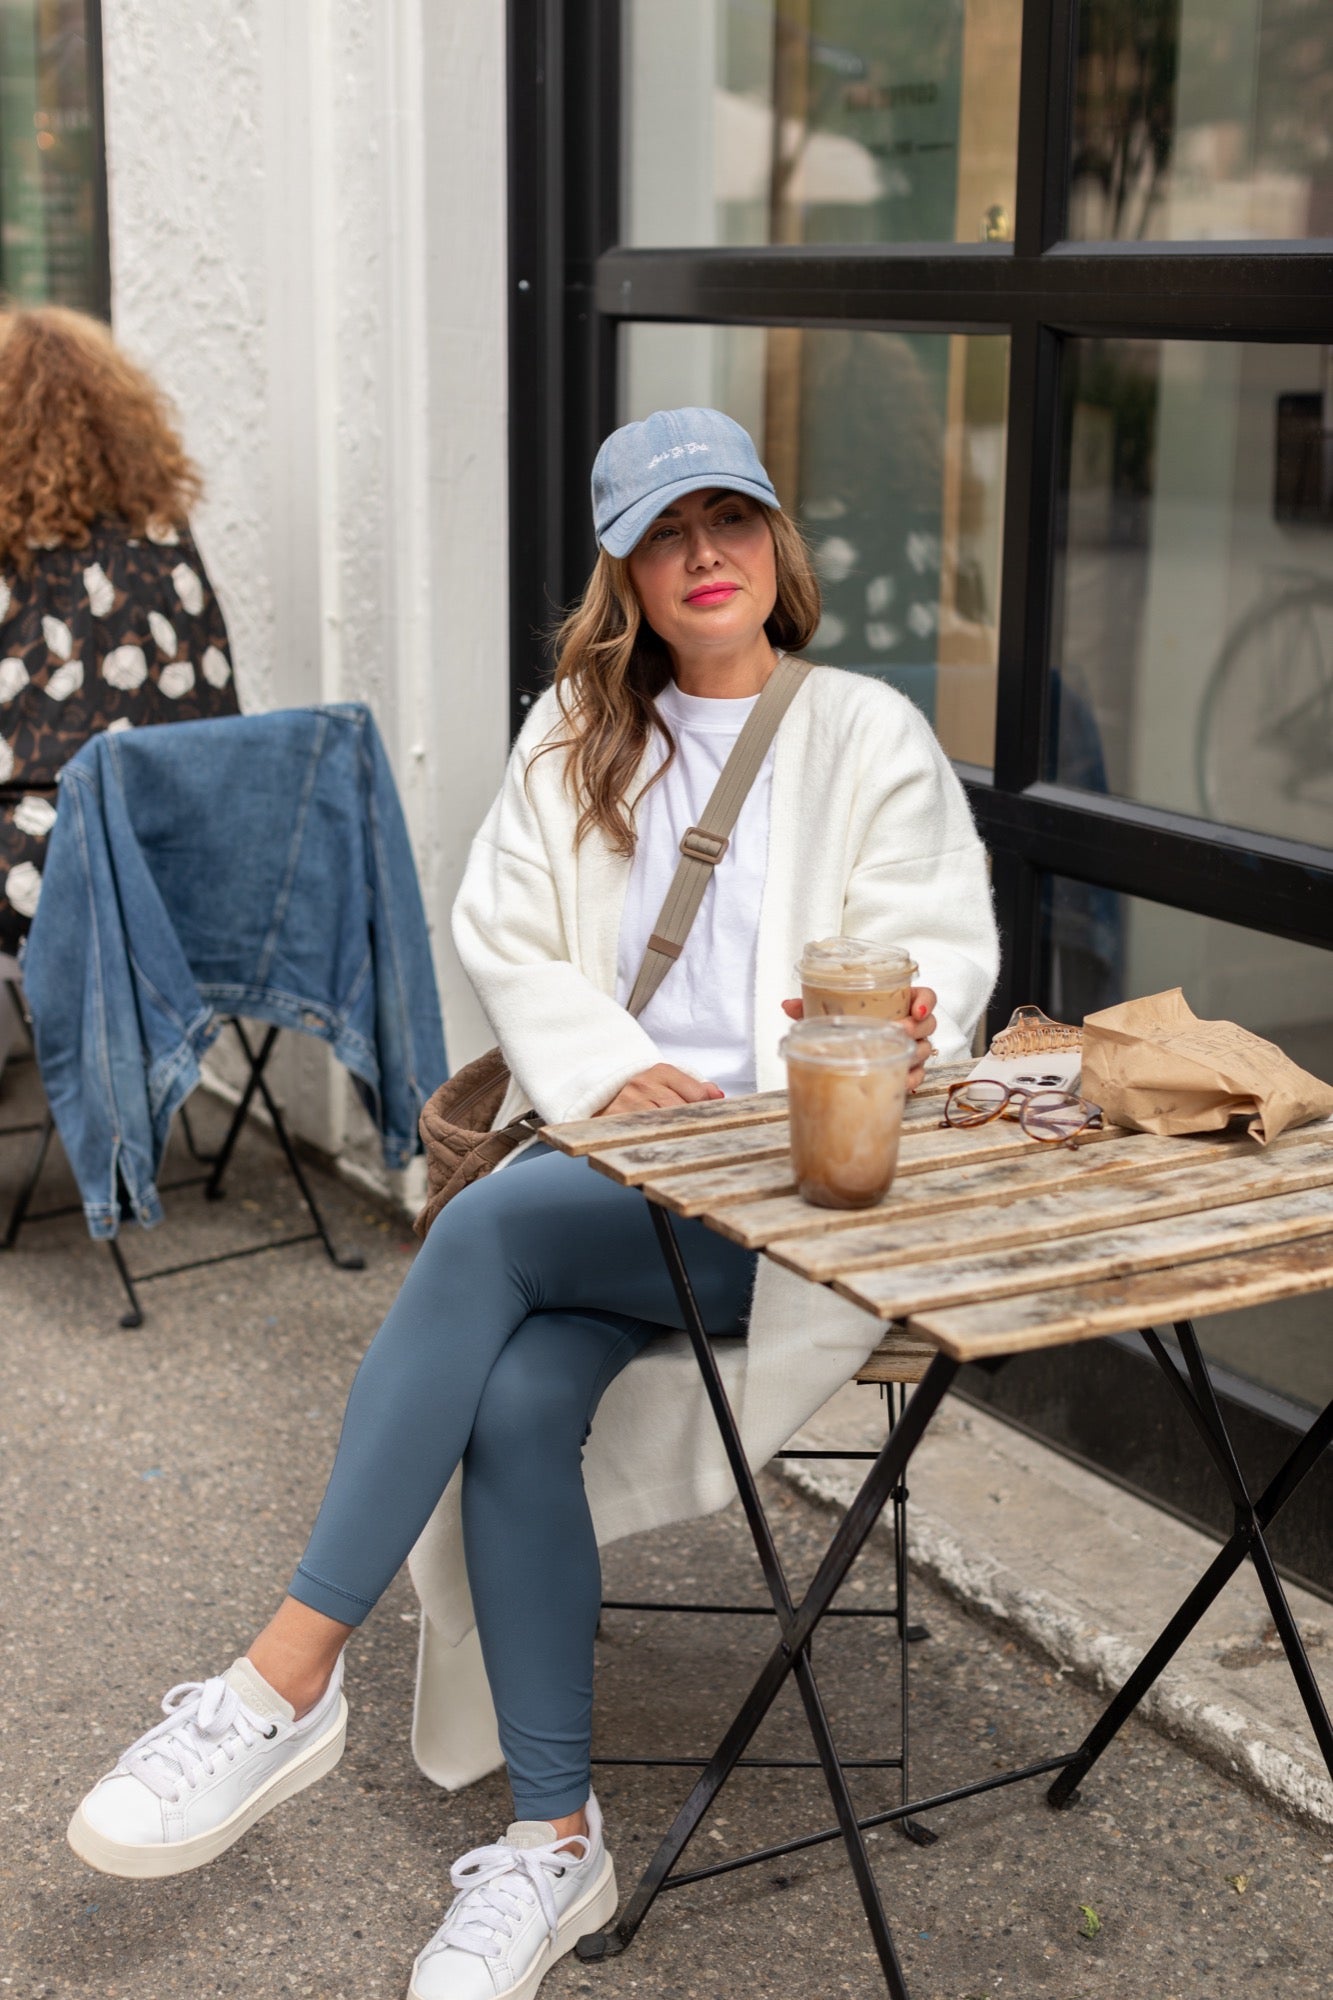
{"points": [[842, 975], [847, 1083]]}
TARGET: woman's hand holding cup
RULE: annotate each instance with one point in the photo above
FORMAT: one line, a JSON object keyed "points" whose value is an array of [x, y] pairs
{"points": [[920, 1023]]}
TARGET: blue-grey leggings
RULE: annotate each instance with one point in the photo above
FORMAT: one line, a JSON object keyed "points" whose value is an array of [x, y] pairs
{"points": [[533, 1289]]}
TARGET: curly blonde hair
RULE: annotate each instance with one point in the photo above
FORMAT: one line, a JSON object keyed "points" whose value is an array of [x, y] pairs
{"points": [[610, 664], [87, 436]]}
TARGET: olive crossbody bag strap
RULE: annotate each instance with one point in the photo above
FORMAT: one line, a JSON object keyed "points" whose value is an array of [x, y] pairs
{"points": [[703, 846], [460, 1139]]}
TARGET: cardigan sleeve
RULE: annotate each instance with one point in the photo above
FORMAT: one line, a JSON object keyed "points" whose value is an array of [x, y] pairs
{"points": [[570, 1046], [920, 877]]}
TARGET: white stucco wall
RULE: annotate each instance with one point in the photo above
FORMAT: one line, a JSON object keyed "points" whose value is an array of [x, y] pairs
{"points": [[307, 205]]}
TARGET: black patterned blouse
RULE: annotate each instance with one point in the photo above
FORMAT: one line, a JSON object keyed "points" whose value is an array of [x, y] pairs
{"points": [[116, 634]]}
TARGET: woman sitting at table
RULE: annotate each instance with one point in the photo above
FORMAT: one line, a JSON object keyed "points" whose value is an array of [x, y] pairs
{"points": [[538, 1285]]}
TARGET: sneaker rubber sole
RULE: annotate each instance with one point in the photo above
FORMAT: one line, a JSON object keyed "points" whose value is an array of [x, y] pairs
{"points": [[592, 1912], [140, 1864]]}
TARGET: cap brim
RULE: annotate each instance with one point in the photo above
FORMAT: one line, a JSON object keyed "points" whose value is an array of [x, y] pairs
{"points": [[627, 529]]}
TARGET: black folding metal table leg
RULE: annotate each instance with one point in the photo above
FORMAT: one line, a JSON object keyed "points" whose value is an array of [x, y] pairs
{"points": [[913, 1829], [346, 1260], [796, 1627], [1253, 1518]]}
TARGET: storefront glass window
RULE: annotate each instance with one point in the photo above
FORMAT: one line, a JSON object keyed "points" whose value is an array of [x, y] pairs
{"points": [[1100, 948], [1193, 630], [889, 449], [820, 121], [51, 172], [1203, 119]]}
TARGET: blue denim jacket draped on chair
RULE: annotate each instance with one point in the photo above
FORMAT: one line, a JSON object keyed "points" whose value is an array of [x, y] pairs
{"points": [[257, 866]]}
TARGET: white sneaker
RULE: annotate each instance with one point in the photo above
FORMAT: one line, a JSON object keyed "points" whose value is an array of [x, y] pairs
{"points": [[522, 1904], [229, 1750]]}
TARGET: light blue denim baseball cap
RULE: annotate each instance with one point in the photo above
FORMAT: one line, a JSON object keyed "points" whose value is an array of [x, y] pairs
{"points": [[643, 467]]}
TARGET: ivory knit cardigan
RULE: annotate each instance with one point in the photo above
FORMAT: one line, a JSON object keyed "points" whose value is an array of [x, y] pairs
{"points": [[870, 836]]}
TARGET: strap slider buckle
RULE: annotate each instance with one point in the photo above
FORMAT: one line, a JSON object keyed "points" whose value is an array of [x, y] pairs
{"points": [[696, 845]]}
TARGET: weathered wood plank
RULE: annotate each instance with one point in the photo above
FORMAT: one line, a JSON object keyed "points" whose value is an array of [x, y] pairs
{"points": [[656, 1159], [1095, 1206], [590, 1135], [688, 1151], [768, 1209], [900, 1357], [724, 1114], [909, 1289], [714, 1188], [1152, 1298]]}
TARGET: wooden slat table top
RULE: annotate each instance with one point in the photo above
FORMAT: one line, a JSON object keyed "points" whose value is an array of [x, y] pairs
{"points": [[726, 1114], [1192, 1187], [990, 1243], [924, 1148]]}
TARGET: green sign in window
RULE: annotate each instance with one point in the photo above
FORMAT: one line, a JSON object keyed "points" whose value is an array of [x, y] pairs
{"points": [[52, 171]]}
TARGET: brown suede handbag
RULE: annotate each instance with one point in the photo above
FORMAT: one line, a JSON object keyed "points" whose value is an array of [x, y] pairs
{"points": [[458, 1127]]}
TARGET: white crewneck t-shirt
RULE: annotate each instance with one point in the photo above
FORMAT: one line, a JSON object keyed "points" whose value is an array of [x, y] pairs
{"points": [[702, 1015]]}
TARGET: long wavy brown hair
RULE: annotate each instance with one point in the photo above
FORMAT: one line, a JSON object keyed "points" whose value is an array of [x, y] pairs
{"points": [[86, 436], [610, 665]]}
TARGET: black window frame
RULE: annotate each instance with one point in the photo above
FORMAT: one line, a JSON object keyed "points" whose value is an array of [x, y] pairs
{"points": [[573, 285]]}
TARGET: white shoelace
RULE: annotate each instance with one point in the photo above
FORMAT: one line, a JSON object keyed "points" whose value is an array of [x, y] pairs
{"points": [[205, 1720], [498, 1886]]}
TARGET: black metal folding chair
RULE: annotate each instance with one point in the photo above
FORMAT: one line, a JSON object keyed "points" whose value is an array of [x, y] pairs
{"points": [[256, 1084]]}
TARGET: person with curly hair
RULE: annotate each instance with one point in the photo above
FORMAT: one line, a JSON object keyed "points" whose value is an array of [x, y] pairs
{"points": [[107, 616]]}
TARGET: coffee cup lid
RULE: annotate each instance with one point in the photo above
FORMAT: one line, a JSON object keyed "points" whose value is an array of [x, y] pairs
{"points": [[849, 1041]]}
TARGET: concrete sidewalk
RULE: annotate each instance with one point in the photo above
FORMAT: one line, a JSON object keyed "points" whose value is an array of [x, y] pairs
{"points": [[157, 1485]]}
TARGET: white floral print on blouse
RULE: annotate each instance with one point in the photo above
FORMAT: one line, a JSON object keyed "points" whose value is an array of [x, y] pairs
{"points": [[217, 667], [6, 760], [58, 637], [188, 588], [164, 632], [34, 815], [177, 679], [13, 679], [101, 591], [23, 887], [65, 681], [4, 597], [125, 667]]}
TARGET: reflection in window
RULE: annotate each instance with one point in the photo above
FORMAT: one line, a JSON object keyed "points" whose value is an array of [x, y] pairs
{"points": [[1199, 119], [1099, 948], [889, 449], [820, 121], [51, 249], [1192, 650]]}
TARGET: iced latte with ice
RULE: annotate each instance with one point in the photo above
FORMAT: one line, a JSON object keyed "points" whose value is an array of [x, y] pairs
{"points": [[847, 1084], [851, 976]]}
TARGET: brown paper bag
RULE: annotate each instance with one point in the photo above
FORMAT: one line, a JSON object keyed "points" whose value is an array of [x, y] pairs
{"points": [[1153, 1065]]}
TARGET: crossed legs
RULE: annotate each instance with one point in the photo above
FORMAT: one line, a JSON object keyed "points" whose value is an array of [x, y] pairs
{"points": [[532, 1291]]}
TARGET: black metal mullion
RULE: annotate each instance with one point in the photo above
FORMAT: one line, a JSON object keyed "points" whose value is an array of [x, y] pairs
{"points": [[1194, 291], [1045, 121], [1251, 879], [592, 216], [1025, 589], [536, 164]]}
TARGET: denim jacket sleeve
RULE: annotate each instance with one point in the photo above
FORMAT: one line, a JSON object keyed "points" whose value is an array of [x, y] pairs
{"points": [[112, 1092], [409, 1036]]}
